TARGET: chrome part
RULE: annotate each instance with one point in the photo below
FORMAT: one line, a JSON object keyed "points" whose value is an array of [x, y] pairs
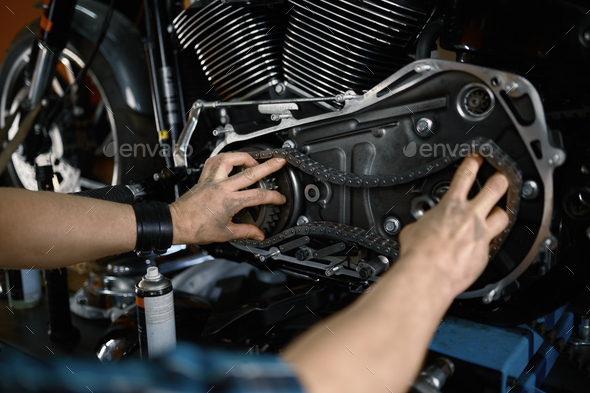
{"points": [[338, 98], [180, 158], [24, 171], [392, 225], [434, 377], [91, 184], [352, 104], [530, 189], [425, 127], [512, 89], [335, 46], [421, 68], [44, 68], [279, 88], [272, 253], [289, 144], [302, 220], [137, 190], [475, 101], [268, 109], [331, 271], [222, 130], [281, 116], [238, 48]]}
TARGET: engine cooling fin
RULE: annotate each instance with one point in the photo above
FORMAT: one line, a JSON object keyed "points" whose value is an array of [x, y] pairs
{"points": [[238, 48], [317, 48], [335, 46]]}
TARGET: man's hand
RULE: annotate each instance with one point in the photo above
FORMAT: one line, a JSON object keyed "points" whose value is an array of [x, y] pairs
{"points": [[452, 240], [378, 343], [203, 214]]}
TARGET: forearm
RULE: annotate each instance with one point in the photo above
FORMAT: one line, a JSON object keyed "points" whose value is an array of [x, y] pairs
{"points": [[48, 230], [381, 338]]}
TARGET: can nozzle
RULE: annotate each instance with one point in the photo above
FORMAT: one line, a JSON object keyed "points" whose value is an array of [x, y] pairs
{"points": [[152, 273]]}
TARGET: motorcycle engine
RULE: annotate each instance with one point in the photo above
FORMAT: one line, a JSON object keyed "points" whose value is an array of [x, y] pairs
{"points": [[379, 145]]}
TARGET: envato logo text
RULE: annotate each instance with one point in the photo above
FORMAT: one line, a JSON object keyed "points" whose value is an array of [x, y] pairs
{"points": [[143, 150], [447, 150]]}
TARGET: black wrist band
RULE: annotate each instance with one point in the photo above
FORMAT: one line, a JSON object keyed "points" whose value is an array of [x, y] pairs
{"points": [[154, 228]]}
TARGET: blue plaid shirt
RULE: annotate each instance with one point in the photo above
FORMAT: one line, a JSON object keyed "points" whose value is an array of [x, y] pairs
{"points": [[188, 369]]}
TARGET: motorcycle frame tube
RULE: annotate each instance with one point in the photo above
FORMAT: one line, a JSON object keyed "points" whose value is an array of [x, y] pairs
{"points": [[52, 37], [162, 73]]}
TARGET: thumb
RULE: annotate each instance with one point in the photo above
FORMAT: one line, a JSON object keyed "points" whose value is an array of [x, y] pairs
{"points": [[246, 231]]}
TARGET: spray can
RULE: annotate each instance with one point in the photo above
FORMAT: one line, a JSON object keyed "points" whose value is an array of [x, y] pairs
{"points": [[155, 314], [23, 288]]}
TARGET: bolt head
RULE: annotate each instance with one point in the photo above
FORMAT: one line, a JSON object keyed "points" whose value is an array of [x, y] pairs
{"points": [[424, 127], [289, 144], [279, 88], [530, 189], [587, 35], [302, 220], [392, 225]]}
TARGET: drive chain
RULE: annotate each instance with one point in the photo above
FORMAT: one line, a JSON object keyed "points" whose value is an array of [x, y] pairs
{"points": [[487, 148]]}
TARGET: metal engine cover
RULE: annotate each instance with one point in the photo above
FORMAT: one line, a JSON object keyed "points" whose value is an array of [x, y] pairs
{"points": [[375, 135]]}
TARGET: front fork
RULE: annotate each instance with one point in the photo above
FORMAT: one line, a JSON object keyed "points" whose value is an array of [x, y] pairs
{"points": [[52, 37]]}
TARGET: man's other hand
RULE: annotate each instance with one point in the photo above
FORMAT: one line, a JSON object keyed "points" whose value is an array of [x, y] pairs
{"points": [[203, 214], [452, 239]]}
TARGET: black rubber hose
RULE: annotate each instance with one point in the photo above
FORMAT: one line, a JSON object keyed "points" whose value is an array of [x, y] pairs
{"points": [[427, 41], [120, 193]]}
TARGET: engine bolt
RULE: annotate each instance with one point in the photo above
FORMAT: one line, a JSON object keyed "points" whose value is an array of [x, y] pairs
{"points": [[587, 35], [302, 220], [392, 225], [530, 189], [549, 243], [289, 144], [424, 127], [279, 88]]}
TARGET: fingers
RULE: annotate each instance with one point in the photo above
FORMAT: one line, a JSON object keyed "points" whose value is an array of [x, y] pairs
{"points": [[259, 196], [245, 231], [490, 194], [221, 165], [251, 175], [497, 221], [464, 177]]}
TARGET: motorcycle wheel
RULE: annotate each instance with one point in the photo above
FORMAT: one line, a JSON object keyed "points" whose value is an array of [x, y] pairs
{"points": [[87, 155]]}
